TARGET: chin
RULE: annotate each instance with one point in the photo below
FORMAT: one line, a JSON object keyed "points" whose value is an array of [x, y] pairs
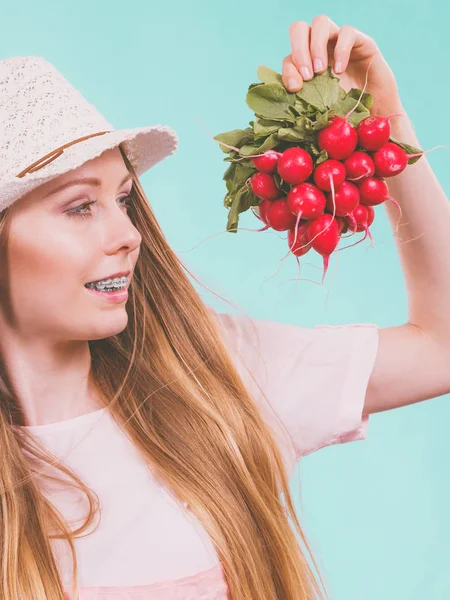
{"points": [[107, 329]]}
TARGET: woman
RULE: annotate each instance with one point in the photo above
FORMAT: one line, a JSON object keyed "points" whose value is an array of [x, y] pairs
{"points": [[147, 442]]}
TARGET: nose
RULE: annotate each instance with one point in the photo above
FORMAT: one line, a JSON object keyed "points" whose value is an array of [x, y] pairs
{"points": [[120, 233]]}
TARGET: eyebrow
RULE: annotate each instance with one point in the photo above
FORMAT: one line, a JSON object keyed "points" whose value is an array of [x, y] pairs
{"points": [[83, 180]]}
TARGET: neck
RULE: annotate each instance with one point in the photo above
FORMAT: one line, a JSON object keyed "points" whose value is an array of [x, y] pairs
{"points": [[49, 382]]}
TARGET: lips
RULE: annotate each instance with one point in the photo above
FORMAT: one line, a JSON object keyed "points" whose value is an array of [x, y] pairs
{"points": [[121, 274]]}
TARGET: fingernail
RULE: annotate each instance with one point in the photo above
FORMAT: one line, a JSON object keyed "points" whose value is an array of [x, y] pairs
{"points": [[292, 83], [318, 64], [306, 73], [338, 67]]}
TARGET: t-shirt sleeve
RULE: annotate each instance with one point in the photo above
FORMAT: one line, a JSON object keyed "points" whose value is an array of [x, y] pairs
{"points": [[313, 379]]}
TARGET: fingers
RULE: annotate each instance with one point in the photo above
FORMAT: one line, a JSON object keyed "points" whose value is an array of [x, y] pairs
{"points": [[344, 45], [312, 47], [292, 79], [299, 34], [322, 30]]}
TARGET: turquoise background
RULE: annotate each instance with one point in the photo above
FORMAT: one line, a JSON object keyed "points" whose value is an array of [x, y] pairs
{"points": [[375, 511]]}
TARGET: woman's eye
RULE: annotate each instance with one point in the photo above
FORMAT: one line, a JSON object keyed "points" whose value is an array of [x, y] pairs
{"points": [[129, 200], [82, 210], [77, 212]]}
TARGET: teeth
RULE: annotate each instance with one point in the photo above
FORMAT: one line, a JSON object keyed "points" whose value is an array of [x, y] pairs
{"points": [[116, 283], [120, 280]]}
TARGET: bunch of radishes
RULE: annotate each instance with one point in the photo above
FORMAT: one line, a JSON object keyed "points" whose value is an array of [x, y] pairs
{"points": [[327, 199], [313, 163]]}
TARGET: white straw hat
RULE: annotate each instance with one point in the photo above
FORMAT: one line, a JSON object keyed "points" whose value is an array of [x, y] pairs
{"points": [[48, 128]]}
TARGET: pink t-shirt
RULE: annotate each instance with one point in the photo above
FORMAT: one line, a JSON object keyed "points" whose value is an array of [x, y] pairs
{"points": [[147, 545]]}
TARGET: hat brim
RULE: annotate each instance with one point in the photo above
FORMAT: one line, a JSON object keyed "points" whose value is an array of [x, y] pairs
{"points": [[144, 147]]}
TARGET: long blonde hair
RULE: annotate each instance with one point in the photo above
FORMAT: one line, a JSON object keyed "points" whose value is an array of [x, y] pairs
{"points": [[179, 398]]}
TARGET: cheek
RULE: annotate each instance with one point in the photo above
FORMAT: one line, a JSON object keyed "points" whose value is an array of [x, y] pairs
{"points": [[53, 261]]}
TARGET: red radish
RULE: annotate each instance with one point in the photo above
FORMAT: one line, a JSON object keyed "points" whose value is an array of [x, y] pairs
{"points": [[306, 200], [323, 233], [390, 160], [264, 186], [267, 163], [295, 165], [279, 217], [370, 215], [359, 165], [339, 139], [374, 132], [363, 217], [329, 169], [341, 224], [262, 210], [298, 241], [373, 191], [346, 199]]}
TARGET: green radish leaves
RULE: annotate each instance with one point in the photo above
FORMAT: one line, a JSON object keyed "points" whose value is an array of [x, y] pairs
{"points": [[242, 201], [284, 120], [238, 173], [270, 101], [354, 101], [264, 127], [240, 196], [267, 75], [409, 150], [322, 91], [236, 138], [260, 146], [323, 156]]}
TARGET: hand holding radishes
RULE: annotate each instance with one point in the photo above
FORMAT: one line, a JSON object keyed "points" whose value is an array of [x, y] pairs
{"points": [[314, 162], [349, 51]]}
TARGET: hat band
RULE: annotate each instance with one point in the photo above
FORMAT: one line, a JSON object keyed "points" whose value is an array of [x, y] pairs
{"points": [[51, 156]]}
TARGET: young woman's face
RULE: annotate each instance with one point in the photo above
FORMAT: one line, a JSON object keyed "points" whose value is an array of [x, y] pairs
{"points": [[58, 242]]}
